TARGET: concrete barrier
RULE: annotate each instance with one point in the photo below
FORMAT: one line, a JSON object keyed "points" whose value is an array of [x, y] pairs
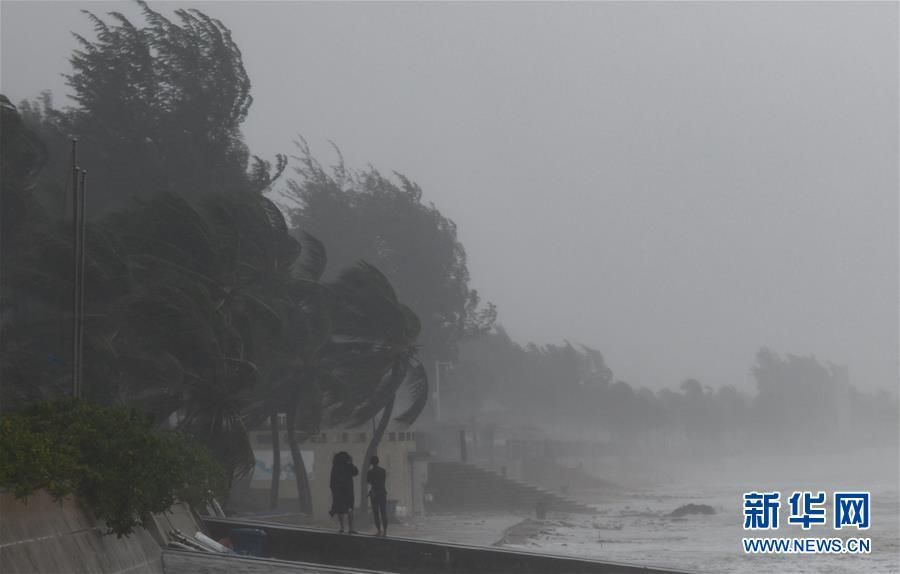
{"points": [[43, 535], [408, 556]]}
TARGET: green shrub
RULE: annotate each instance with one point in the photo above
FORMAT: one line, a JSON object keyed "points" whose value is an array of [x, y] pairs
{"points": [[110, 458]]}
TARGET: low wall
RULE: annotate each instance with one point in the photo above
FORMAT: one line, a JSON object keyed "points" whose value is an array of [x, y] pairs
{"points": [[40, 535], [408, 556]]}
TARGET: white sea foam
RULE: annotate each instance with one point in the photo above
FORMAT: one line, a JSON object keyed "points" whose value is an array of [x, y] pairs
{"points": [[634, 526]]}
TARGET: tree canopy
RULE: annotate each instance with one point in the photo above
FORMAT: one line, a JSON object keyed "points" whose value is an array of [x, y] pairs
{"points": [[203, 307], [365, 215], [159, 108]]}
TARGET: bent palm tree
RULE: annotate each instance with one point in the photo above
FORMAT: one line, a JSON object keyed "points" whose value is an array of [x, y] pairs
{"points": [[371, 322]]}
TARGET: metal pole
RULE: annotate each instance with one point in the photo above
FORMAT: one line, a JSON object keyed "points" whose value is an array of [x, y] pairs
{"points": [[437, 388], [75, 171], [82, 248], [437, 391]]}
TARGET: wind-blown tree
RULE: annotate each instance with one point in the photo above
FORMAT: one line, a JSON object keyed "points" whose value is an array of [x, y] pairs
{"points": [[27, 310], [730, 412], [199, 301], [371, 324], [179, 294], [299, 391], [194, 301], [558, 383], [342, 352], [37, 283], [366, 216], [797, 396], [207, 308], [155, 333], [296, 374], [24, 154], [159, 108]]}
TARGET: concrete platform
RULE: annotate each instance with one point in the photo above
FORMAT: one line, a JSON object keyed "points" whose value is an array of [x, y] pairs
{"points": [[326, 548]]}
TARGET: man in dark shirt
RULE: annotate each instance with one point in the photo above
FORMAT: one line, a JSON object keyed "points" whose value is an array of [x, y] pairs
{"points": [[378, 494]]}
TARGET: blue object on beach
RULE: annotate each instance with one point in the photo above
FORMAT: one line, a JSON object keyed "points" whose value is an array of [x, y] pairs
{"points": [[249, 541]]}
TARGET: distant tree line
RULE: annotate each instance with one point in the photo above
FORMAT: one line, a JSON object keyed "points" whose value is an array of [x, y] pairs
{"points": [[799, 401]]}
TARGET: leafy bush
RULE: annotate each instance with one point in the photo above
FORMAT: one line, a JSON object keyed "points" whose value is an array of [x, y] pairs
{"points": [[110, 458]]}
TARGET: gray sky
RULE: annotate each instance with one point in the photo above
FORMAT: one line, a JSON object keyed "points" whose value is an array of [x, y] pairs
{"points": [[674, 184]]}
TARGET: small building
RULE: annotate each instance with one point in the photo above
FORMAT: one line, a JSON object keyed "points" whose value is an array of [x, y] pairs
{"points": [[397, 453]]}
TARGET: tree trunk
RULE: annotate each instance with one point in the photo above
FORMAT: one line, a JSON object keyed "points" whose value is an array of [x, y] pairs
{"points": [[276, 460], [304, 497], [377, 435]]}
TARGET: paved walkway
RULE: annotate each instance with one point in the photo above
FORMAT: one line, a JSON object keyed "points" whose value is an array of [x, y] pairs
{"points": [[477, 530], [474, 529]]}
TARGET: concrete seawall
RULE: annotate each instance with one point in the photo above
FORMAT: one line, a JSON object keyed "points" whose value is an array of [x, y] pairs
{"points": [[411, 556], [40, 535]]}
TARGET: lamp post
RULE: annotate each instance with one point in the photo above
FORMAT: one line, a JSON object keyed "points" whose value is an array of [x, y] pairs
{"points": [[437, 387], [78, 210]]}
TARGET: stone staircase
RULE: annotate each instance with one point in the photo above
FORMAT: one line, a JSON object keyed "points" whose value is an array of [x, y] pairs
{"points": [[553, 476], [456, 486]]}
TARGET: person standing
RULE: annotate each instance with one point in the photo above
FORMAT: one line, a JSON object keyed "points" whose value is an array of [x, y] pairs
{"points": [[342, 472], [376, 477]]}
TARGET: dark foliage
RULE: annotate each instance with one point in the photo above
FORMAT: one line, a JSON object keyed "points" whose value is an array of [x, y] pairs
{"points": [[111, 458], [159, 109], [370, 217]]}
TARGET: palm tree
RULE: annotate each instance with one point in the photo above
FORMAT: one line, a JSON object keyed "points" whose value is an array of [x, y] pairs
{"points": [[30, 296], [196, 298], [184, 301], [230, 260], [291, 378], [371, 322], [211, 309]]}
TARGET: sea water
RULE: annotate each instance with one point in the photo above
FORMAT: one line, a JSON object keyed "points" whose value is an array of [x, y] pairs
{"points": [[634, 525]]}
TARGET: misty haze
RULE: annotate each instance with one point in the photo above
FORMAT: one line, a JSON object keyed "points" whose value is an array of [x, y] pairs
{"points": [[578, 281]]}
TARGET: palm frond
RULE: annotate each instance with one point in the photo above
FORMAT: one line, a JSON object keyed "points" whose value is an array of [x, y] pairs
{"points": [[313, 259], [416, 382]]}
